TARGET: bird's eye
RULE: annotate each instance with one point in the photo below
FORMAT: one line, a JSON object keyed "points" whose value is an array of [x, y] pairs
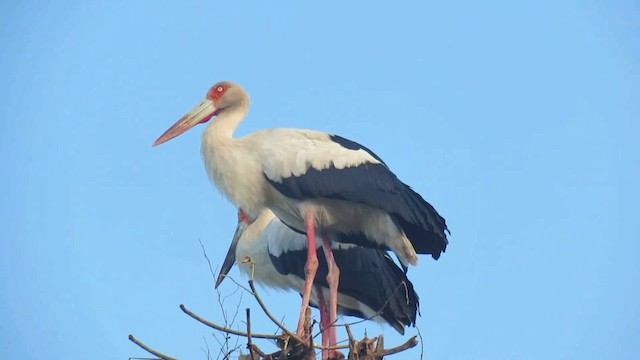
{"points": [[216, 92]]}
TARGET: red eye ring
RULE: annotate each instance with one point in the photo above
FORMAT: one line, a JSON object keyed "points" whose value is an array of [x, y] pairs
{"points": [[217, 92]]}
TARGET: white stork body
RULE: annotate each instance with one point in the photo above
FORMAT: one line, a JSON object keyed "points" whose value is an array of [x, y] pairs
{"points": [[315, 182], [246, 168], [371, 286]]}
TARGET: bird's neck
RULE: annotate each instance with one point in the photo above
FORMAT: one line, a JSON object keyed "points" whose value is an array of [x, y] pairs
{"points": [[229, 162], [224, 125], [219, 147]]}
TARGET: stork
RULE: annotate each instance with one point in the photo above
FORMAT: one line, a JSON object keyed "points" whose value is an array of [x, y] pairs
{"points": [[371, 285], [316, 183]]}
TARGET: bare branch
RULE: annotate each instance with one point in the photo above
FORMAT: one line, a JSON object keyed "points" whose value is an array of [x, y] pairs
{"points": [[237, 283], [208, 350], [258, 351], [225, 329], [421, 344], [204, 252], [149, 350], [249, 343], [406, 346], [271, 317]]}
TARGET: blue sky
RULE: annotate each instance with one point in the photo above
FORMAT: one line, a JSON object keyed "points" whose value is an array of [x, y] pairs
{"points": [[519, 122]]}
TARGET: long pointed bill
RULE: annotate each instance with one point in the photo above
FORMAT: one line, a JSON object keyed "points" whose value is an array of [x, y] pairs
{"points": [[199, 114], [230, 259]]}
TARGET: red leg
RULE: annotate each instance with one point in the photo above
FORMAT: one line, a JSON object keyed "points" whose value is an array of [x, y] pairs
{"points": [[310, 268], [324, 320], [333, 278]]}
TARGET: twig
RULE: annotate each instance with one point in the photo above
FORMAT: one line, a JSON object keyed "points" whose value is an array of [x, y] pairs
{"points": [[352, 341], [258, 351], [349, 334], [237, 283], [270, 316], [224, 346], [421, 344], [150, 350], [249, 343], [224, 329], [307, 326], [204, 252], [208, 350], [380, 344], [407, 345], [220, 343]]}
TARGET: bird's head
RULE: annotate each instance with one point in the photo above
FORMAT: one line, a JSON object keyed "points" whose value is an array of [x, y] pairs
{"points": [[223, 97]]}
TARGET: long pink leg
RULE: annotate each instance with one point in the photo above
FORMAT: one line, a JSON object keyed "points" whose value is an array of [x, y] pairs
{"points": [[324, 320], [333, 278], [310, 268]]}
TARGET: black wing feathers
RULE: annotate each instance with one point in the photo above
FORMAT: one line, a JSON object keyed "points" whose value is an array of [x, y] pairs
{"points": [[367, 275], [376, 186], [352, 145]]}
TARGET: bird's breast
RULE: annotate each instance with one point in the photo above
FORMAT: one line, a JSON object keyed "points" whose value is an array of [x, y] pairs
{"points": [[236, 173]]}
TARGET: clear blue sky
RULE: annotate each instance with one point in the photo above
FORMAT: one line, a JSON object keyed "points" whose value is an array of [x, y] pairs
{"points": [[519, 122]]}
